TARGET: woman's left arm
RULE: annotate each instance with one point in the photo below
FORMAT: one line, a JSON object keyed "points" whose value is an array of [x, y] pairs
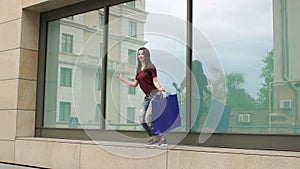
{"points": [[157, 85]]}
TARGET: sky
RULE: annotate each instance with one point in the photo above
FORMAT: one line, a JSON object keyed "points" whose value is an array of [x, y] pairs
{"points": [[239, 30]]}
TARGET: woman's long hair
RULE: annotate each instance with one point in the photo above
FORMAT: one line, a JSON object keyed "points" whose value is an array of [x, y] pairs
{"points": [[149, 66]]}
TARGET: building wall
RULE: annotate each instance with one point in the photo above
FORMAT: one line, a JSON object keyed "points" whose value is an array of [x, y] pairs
{"points": [[19, 32], [286, 60]]}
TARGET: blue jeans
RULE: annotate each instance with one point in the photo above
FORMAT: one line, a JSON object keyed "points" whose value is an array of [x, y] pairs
{"points": [[147, 128], [147, 100]]}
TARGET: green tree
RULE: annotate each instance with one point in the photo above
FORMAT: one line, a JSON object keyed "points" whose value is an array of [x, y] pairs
{"points": [[236, 96], [268, 76]]}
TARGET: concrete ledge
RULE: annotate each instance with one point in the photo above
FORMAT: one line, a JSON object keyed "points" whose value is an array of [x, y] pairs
{"points": [[170, 147], [47, 152]]}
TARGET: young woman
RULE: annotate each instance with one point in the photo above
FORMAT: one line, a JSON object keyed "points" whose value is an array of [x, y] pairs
{"points": [[146, 77]]}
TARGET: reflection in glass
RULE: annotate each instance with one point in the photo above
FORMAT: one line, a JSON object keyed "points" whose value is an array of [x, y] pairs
{"points": [[73, 71], [243, 40], [127, 33]]}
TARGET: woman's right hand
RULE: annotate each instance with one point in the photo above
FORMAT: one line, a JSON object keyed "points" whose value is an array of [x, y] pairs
{"points": [[120, 76]]}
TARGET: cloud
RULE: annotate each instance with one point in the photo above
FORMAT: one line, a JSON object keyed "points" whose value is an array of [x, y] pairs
{"points": [[175, 8], [231, 20], [240, 30]]}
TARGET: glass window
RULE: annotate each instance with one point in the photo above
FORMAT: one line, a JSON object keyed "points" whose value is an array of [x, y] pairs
{"points": [[244, 66], [101, 49], [66, 77], [131, 4], [132, 57], [244, 44], [98, 113], [167, 52], [131, 90], [77, 66], [67, 43], [64, 111], [244, 118], [132, 31], [101, 20], [130, 115], [244, 80], [99, 82]]}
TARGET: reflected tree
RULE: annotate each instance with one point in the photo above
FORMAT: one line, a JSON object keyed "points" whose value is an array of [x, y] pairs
{"points": [[236, 96], [268, 76]]}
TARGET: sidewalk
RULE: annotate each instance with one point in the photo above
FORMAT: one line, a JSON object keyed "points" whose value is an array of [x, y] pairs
{"points": [[11, 166]]}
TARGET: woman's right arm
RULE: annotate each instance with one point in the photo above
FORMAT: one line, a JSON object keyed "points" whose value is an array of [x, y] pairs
{"points": [[130, 83]]}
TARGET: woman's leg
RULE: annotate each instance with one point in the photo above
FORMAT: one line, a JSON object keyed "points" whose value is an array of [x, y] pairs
{"points": [[144, 124]]}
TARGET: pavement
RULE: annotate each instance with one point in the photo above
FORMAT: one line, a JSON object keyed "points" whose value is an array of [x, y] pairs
{"points": [[11, 166]]}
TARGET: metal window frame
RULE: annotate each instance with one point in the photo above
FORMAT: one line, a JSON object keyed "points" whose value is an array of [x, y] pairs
{"points": [[231, 140]]}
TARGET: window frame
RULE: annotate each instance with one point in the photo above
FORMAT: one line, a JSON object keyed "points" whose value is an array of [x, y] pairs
{"points": [[285, 142], [131, 57], [131, 89], [64, 72], [101, 20], [64, 43], [131, 115], [132, 29], [63, 104]]}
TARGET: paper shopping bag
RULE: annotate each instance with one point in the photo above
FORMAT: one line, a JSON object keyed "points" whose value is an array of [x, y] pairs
{"points": [[165, 114]]}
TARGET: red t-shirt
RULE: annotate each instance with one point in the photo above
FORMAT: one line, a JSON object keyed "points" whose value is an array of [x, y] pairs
{"points": [[146, 82]]}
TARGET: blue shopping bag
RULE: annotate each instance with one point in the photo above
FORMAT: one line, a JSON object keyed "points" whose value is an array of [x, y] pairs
{"points": [[165, 114]]}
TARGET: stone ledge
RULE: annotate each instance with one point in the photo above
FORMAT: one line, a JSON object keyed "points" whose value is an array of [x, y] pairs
{"points": [[172, 147]]}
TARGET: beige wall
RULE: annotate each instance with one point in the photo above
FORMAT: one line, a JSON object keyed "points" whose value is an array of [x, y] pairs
{"points": [[18, 62], [292, 38], [286, 45], [19, 26]]}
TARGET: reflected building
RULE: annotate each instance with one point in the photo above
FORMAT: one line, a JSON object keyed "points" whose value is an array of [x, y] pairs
{"points": [[284, 112], [75, 53]]}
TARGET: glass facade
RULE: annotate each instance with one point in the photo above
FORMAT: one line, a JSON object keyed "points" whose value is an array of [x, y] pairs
{"points": [[78, 72], [244, 45], [241, 74]]}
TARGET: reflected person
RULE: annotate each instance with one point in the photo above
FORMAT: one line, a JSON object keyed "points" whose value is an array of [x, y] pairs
{"points": [[146, 77]]}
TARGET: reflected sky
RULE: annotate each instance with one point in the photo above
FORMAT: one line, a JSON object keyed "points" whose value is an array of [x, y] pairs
{"points": [[241, 32]]}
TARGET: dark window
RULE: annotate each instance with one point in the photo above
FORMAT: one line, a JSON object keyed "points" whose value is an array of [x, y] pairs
{"points": [[64, 111], [131, 89], [130, 114], [66, 77], [131, 4], [132, 29], [131, 57], [67, 43], [101, 20]]}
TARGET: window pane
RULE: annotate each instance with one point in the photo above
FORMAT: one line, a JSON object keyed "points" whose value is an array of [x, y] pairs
{"points": [[101, 20], [241, 33], [130, 114], [131, 57], [97, 114], [131, 4], [167, 49], [132, 30], [66, 77], [67, 43], [73, 74], [131, 89], [64, 111]]}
